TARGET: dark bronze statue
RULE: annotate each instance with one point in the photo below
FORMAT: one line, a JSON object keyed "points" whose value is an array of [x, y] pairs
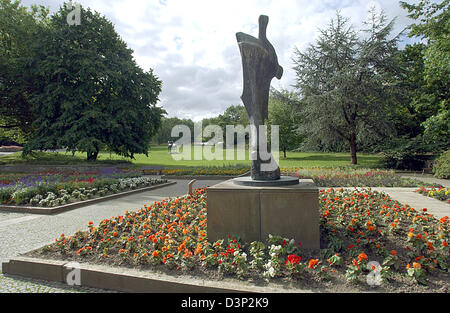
{"points": [[260, 66]]}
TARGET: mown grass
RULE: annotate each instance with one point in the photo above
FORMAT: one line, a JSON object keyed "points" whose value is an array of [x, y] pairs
{"points": [[159, 156]]}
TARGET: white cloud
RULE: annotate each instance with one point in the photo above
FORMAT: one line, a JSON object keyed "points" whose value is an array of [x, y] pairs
{"points": [[191, 44]]}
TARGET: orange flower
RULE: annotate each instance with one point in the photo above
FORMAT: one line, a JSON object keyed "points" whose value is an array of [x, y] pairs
{"points": [[362, 256], [313, 263], [155, 254], [187, 253], [445, 243], [417, 265], [394, 253]]}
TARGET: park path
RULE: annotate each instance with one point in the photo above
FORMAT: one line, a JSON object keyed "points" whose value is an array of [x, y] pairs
{"points": [[417, 201]]}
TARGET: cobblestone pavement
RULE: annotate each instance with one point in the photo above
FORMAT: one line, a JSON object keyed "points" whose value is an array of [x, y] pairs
{"points": [[20, 233]]}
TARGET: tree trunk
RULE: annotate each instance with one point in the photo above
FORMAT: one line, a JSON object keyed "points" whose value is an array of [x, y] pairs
{"points": [[353, 148], [284, 152], [92, 156]]}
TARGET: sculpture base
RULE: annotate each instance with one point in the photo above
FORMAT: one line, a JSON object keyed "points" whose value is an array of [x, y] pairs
{"points": [[283, 181], [254, 212]]}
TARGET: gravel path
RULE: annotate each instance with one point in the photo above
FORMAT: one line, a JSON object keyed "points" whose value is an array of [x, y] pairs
{"points": [[20, 233]]}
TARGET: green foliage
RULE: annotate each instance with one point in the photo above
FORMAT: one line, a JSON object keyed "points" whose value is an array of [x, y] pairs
{"points": [[282, 113], [406, 154], [88, 91], [433, 24], [437, 130], [164, 133], [6, 195], [344, 81], [442, 167], [24, 195], [19, 29]]}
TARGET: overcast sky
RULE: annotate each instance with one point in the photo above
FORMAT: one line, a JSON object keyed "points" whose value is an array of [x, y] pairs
{"points": [[192, 48]]}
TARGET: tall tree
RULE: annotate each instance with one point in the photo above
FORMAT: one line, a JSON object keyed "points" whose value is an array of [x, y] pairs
{"points": [[19, 30], [89, 91], [344, 82], [433, 25]]}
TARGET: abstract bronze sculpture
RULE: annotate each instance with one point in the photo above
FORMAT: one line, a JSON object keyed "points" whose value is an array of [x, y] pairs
{"points": [[260, 66]]}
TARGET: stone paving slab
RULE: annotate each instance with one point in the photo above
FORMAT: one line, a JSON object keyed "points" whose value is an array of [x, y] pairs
{"points": [[417, 201]]}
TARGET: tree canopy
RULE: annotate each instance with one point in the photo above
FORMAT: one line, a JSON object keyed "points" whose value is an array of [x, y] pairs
{"points": [[88, 92], [19, 29], [343, 80]]}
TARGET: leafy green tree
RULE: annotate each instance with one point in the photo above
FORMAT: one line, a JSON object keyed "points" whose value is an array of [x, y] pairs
{"points": [[282, 109], [19, 30], [433, 25], [344, 82], [88, 91]]}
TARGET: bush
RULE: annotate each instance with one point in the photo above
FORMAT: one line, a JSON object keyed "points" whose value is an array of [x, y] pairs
{"points": [[442, 166], [5, 195], [23, 196], [404, 154]]}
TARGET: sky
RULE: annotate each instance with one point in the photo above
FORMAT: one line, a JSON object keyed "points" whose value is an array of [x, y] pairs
{"points": [[191, 44]]}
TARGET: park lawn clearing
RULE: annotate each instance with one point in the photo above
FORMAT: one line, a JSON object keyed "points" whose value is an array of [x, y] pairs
{"points": [[159, 156], [366, 237]]}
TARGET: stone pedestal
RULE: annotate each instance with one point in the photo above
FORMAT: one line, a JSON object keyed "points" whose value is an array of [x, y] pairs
{"points": [[253, 212]]}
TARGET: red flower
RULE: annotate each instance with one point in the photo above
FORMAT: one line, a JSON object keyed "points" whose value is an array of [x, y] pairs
{"points": [[293, 259]]}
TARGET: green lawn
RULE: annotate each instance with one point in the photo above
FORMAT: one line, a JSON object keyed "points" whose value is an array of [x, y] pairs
{"points": [[159, 156]]}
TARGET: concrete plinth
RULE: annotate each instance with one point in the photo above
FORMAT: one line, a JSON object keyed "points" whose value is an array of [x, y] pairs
{"points": [[252, 213]]}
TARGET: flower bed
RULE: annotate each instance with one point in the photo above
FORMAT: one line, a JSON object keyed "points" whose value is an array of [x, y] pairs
{"points": [[439, 193], [56, 193], [350, 177], [202, 171], [369, 240]]}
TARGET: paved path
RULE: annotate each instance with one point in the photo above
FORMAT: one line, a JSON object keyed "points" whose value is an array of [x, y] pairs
{"points": [[417, 201], [20, 233]]}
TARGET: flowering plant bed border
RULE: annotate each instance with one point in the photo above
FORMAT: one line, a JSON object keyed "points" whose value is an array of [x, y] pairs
{"points": [[199, 177], [75, 205], [134, 280]]}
